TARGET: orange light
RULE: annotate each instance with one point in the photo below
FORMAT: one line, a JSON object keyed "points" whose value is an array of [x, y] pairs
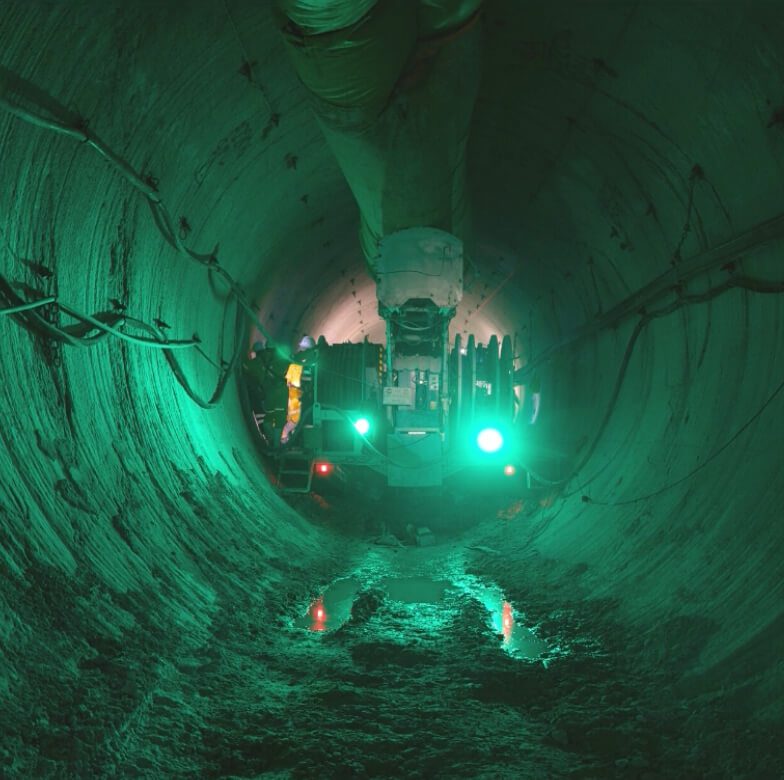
{"points": [[510, 470]]}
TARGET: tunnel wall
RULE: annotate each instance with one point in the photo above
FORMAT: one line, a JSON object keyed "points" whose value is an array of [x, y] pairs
{"points": [[122, 501], [130, 517], [637, 147]]}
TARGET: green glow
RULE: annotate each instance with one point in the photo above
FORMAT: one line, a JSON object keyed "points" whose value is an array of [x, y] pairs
{"points": [[490, 440], [362, 425]]}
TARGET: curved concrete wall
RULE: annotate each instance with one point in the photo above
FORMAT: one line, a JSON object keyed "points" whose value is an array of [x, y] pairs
{"points": [[612, 143]]}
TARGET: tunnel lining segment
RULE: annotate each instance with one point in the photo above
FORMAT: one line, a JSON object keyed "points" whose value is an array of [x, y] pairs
{"points": [[725, 254], [147, 186]]}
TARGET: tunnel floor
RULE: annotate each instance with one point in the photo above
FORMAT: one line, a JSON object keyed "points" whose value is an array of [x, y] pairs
{"points": [[412, 682]]}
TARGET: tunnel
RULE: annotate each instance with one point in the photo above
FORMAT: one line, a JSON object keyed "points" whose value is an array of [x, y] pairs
{"points": [[168, 188]]}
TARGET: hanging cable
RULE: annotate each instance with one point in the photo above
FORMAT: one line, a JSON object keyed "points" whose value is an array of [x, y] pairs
{"points": [[147, 187], [159, 342], [745, 283], [162, 218], [69, 335], [722, 256], [226, 371], [27, 306], [702, 465], [79, 335]]}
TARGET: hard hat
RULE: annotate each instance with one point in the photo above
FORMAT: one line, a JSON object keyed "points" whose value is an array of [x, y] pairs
{"points": [[306, 342]]}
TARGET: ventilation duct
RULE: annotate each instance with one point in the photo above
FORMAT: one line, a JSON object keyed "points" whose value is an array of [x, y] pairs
{"points": [[394, 92]]}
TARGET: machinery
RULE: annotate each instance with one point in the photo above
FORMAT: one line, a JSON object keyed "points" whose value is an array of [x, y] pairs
{"points": [[415, 409]]}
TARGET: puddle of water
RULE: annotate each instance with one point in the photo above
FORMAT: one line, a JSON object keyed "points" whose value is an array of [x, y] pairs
{"points": [[332, 609], [415, 590], [517, 640]]}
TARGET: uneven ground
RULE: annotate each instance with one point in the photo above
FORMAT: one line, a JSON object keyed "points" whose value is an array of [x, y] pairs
{"points": [[400, 690], [626, 177]]}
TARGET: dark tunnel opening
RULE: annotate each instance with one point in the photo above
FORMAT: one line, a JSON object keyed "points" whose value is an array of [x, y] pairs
{"points": [[179, 184]]}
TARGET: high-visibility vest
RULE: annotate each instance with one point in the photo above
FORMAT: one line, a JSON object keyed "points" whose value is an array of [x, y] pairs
{"points": [[294, 374], [294, 409]]}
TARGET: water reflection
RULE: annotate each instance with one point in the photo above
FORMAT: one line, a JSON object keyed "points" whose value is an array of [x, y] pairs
{"points": [[318, 615], [332, 608], [414, 590], [507, 621], [516, 639]]}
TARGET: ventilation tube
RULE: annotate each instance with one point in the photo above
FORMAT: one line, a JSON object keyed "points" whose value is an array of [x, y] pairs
{"points": [[394, 91]]}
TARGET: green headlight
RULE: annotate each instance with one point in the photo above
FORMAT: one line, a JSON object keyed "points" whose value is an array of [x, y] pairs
{"points": [[490, 440], [362, 425]]}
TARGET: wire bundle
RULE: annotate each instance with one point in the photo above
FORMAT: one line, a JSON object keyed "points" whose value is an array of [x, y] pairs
{"points": [[739, 282], [93, 328]]}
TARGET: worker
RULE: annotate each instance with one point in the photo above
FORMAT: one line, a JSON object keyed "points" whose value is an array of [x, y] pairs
{"points": [[263, 370], [299, 368], [306, 351], [257, 347]]}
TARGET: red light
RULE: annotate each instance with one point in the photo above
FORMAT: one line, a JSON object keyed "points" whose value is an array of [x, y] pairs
{"points": [[510, 470], [323, 468], [319, 615], [507, 620]]}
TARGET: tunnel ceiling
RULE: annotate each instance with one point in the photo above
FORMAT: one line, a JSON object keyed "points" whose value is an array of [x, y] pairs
{"points": [[616, 147], [572, 157]]}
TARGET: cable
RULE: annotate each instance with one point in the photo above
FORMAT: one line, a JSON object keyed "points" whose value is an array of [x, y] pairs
{"points": [[226, 370], [444, 261], [162, 218], [207, 357], [702, 465], [79, 334], [47, 124], [539, 478], [746, 283], [147, 187], [409, 271], [155, 343], [721, 256], [412, 326], [27, 306]]}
